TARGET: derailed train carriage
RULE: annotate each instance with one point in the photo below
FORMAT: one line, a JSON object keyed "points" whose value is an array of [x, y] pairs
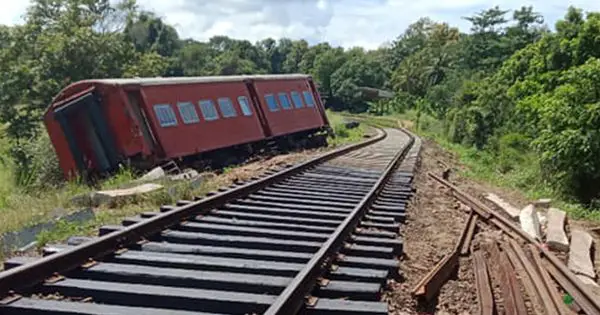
{"points": [[95, 125]]}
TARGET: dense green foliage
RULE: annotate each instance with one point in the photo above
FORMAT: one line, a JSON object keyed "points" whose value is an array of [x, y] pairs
{"points": [[509, 86]]}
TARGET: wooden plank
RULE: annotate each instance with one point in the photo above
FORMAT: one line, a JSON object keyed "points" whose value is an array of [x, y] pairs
{"points": [[580, 301], [484, 288]]}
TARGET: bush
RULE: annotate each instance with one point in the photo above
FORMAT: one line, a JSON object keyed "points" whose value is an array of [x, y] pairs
{"points": [[35, 163]]}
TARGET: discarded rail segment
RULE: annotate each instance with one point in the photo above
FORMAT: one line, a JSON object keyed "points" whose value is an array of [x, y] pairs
{"points": [[542, 274], [320, 237]]}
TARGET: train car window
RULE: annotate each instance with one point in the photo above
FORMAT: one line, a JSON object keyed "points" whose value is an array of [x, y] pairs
{"points": [[271, 102], [308, 98], [226, 107], [208, 110], [297, 100], [188, 113], [245, 106], [165, 115], [284, 100]]}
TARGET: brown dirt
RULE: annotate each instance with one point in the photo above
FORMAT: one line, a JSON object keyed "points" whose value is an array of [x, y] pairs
{"points": [[256, 168], [434, 223], [261, 165], [433, 226]]}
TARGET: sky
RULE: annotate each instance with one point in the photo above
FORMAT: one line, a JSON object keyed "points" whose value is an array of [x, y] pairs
{"points": [[347, 23]]}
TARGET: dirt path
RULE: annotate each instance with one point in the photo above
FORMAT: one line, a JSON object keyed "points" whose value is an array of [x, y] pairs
{"points": [[434, 223]]}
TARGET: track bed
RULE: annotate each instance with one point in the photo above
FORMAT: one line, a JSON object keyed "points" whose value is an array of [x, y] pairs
{"points": [[318, 238]]}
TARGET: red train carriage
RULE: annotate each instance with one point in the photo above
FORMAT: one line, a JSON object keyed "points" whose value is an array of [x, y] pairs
{"points": [[96, 124]]}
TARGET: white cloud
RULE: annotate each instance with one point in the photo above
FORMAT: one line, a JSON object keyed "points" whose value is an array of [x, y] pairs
{"points": [[367, 23], [12, 11]]}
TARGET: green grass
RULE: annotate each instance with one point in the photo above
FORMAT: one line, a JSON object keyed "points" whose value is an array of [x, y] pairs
{"points": [[24, 207], [513, 170], [523, 175], [21, 208], [129, 207], [172, 192], [343, 135]]}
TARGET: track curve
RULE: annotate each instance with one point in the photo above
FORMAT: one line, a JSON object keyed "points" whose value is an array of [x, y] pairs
{"points": [[325, 229]]}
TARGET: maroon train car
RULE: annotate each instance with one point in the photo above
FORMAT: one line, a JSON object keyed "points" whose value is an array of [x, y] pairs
{"points": [[96, 124]]}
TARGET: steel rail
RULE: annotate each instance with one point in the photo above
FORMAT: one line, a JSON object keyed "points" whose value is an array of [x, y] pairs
{"points": [[25, 276], [292, 298], [567, 279]]}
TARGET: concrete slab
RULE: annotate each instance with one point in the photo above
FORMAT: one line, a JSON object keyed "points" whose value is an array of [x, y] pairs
{"points": [[543, 203], [511, 210], [590, 284], [530, 222], [110, 196], [187, 175], [155, 174], [588, 281], [580, 261], [555, 233]]}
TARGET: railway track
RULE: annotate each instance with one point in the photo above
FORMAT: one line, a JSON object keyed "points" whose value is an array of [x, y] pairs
{"points": [[321, 237]]}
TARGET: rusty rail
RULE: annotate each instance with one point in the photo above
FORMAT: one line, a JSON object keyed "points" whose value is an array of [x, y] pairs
{"points": [[432, 282], [565, 278], [504, 273], [483, 285], [554, 294]]}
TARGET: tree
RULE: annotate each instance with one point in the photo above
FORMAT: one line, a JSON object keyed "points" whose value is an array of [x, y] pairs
{"points": [[484, 49], [325, 65], [307, 64], [359, 71], [528, 28], [411, 41], [148, 33], [294, 57], [569, 138]]}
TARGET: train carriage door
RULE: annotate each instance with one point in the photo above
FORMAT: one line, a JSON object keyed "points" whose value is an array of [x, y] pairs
{"points": [[86, 130], [135, 101], [258, 109]]}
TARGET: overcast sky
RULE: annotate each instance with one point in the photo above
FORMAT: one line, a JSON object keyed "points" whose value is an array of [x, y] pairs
{"points": [[367, 23]]}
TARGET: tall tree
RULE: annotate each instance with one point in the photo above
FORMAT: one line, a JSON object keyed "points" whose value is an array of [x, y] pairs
{"points": [[484, 49], [149, 33]]}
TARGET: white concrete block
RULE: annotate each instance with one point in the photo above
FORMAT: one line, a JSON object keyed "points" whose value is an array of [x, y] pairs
{"points": [[588, 281], [188, 174], [580, 260], [530, 222], [543, 203], [511, 210], [155, 174], [555, 233], [109, 196]]}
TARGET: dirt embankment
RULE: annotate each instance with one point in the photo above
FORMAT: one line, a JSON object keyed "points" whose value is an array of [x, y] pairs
{"points": [[433, 226]]}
